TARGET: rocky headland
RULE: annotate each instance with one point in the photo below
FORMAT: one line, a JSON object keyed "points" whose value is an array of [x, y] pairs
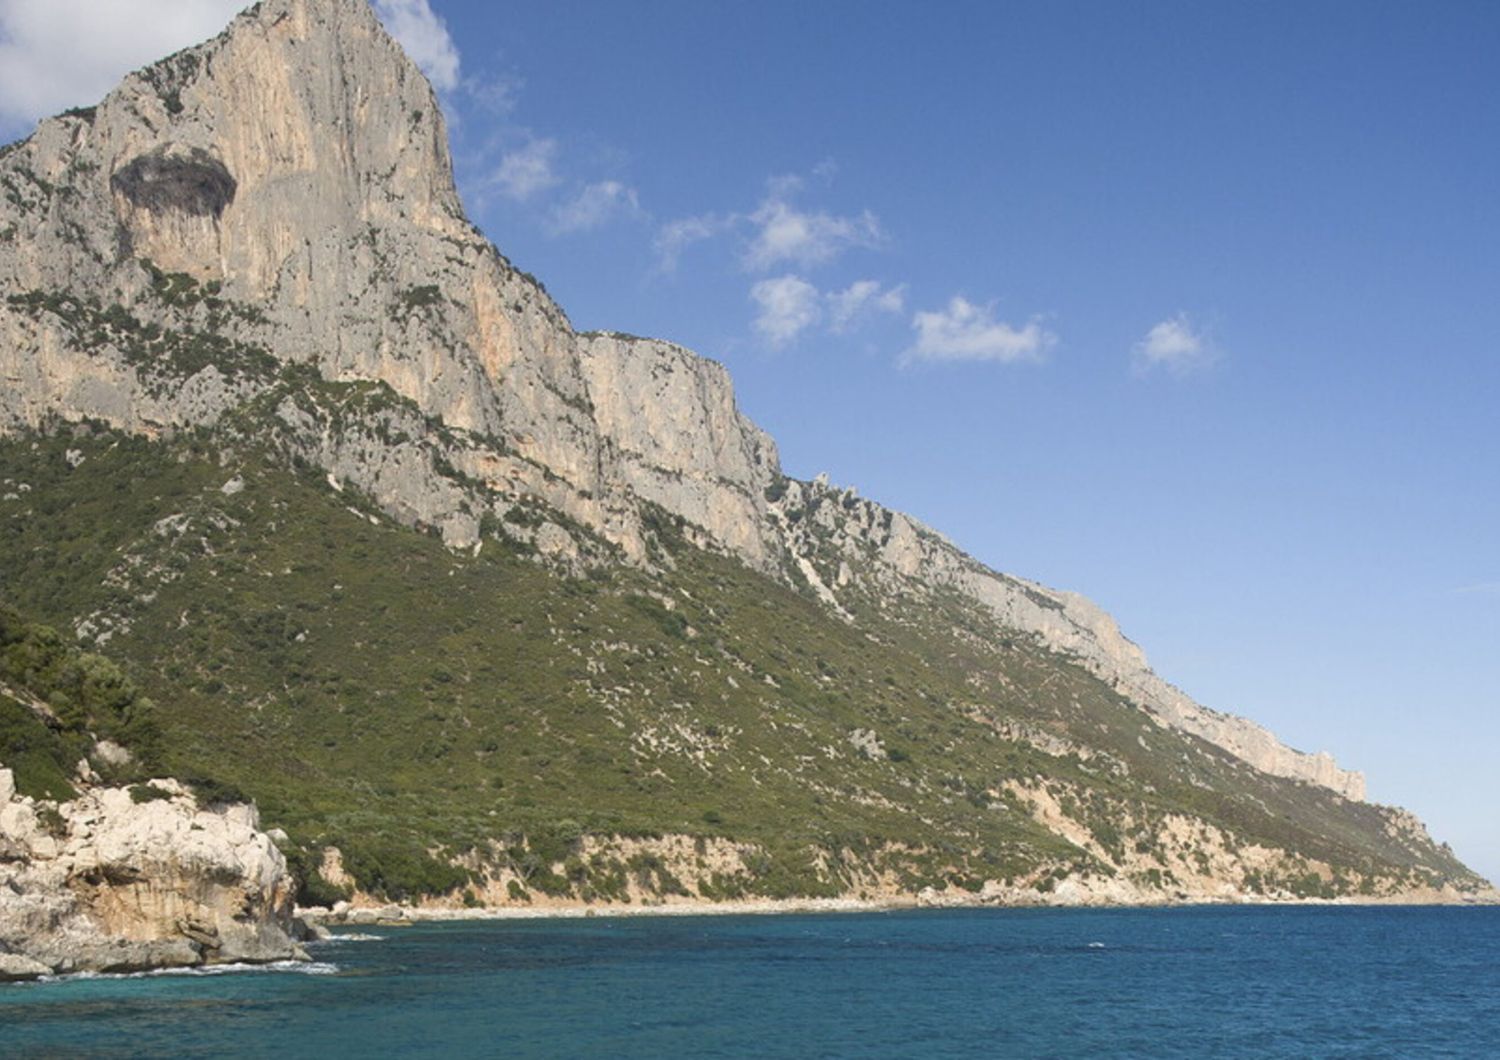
{"points": [[129, 879]]}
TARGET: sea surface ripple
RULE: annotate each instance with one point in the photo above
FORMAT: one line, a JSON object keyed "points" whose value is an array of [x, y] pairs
{"points": [[1193, 982]]}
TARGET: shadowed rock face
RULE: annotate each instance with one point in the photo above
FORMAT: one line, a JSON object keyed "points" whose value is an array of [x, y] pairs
{"points": [[188, 180]]}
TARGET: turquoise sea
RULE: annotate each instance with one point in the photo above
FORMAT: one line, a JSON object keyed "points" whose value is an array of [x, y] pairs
{"points": [[1194, 982]]}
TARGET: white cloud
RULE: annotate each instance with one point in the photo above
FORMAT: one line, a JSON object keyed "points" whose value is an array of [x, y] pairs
{"points": [[1479, 589], [497, 93], [967, 332], [525, 171], [787, 234], [860, 299], [425, 37], [788, 306], [1174, 344], [56, 54], [784, 185], [779, 232], [676, 236], [595, 205]]}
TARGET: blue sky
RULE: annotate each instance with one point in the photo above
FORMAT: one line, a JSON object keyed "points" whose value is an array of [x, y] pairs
{"points": [[1191, 308]]}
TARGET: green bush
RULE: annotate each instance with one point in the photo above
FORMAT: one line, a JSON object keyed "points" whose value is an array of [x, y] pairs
{"points": [[212, 791], [41, 759], [51, 820], [87, 692], [140, 793], [400, 868], [312, 888]]}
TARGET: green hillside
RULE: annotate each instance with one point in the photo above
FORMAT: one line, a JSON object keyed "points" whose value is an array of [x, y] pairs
{"points": [[417, 707]]}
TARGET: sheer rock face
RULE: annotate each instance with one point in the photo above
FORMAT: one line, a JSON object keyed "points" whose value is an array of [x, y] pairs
{"points": [[677, 438], [299, 163], [103, 883]]}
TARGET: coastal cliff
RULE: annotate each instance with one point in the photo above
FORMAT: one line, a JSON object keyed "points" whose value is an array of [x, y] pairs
{"points": [[484, 604]]}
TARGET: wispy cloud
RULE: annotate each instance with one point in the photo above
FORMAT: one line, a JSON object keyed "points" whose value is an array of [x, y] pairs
{"points": [[595, 205], [514, 162], [425, 37], [777, 232], [1176, 345], [676, 236], [785, 234], [1478, 589], [56, 54], [861, 299], [963, 331], [496, 93], [525, 171], [788, 305], [539, 176]]}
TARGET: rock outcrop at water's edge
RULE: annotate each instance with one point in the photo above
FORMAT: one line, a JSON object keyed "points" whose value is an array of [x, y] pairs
{"points": [[106, 883]]}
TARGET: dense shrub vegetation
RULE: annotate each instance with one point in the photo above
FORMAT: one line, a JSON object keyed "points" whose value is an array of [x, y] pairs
{"points": [[55, 699], [414, 706]]}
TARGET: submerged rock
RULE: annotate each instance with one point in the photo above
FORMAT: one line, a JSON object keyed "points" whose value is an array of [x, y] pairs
{"points": [[106, 883]]}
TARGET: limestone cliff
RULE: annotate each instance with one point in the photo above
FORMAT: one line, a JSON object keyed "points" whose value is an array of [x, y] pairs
{"points": [[281, 199], [104, 883], [674, 436]]}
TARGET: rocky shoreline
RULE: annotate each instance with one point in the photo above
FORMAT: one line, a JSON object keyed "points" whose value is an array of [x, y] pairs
{"points": [[140, 878], [145, 877], [348, 915]]}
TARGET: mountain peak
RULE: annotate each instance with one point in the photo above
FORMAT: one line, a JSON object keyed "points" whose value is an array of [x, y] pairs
{"points": [[303, 121]]}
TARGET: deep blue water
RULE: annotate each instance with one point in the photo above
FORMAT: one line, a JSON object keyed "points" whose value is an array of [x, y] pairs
{"points": [[1315, 982]]}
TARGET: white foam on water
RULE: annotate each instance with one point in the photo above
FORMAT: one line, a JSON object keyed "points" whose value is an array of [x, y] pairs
{"points": [[353, 936], [296, 967]]}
